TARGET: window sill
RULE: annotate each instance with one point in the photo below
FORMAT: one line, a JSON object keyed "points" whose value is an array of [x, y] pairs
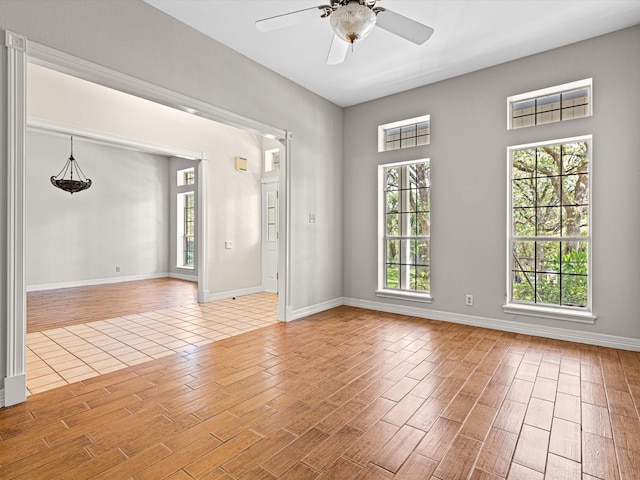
{"points": [[404, 295], [565, 314], [191, 269]]}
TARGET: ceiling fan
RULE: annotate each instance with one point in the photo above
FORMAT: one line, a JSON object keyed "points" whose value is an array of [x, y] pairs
{"points": [[352, 21]]}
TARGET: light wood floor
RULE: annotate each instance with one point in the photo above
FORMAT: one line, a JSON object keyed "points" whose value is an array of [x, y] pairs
{"points": [[72, 306], [348, 393], [73, 334]]}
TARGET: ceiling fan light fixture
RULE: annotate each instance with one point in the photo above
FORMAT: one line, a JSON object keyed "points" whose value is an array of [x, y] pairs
{"points": [[353, 22]]}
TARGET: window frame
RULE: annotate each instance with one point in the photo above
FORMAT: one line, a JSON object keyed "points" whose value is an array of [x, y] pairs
{"points": [[186, 186], [586, 83], [382, 291], [557, 312]]}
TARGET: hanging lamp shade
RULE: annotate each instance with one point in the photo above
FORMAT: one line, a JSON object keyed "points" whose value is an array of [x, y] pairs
{"points": [[353, 22], [71, 184]]}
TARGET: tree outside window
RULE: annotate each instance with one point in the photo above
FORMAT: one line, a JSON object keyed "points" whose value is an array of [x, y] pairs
{"points": [[550, 224], [407, 227]]}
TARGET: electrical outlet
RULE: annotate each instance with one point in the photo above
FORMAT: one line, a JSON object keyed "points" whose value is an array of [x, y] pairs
{"points": [[228, 244], [468, 300], [117, 269]]}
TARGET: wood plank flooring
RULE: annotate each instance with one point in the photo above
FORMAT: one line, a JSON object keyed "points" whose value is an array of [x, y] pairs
{"points": [[72, 306], [349, 393]]}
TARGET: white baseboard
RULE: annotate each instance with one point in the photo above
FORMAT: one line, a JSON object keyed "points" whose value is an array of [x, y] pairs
{"points": [[182, 276], [320, 307], [97, 281], [212, 297], [591, 338], [15, 390]]}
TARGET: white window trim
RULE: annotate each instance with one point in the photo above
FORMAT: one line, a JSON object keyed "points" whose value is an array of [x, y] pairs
{"points": [[400, 123], [567, 313], [388, 292], [585, 83]]}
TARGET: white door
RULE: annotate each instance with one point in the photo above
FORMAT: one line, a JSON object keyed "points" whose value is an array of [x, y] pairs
{"points": [[270, 235]]}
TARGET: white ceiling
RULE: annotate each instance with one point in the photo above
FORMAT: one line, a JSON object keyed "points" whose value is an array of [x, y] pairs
{"points": [[469, 35]]}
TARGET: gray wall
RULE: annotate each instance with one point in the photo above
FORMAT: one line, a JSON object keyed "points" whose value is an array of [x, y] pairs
{"points": [[121, 220], [469, 174]]}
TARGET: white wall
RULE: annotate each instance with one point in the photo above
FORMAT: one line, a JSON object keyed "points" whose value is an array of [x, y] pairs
{"points": [[469, 173], [121, 220], [234, 197]]}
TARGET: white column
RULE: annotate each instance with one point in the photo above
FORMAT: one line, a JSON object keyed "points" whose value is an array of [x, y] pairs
{"points": [[15, 381]]}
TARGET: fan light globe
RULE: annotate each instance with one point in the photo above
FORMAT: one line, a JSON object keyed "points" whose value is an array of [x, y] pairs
{"points": [[353, 22]]}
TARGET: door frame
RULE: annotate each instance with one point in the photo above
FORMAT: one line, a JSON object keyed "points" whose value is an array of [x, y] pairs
{"points": [[268, 182], [21, 51]]}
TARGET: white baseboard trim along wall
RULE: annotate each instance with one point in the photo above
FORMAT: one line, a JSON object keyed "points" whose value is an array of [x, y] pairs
{"points": [[98, 281], [600, 339], [603, 340], [212, 297]]}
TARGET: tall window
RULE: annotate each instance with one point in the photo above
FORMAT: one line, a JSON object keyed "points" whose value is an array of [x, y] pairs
{"points": [[549, 234], [186, 218], [188, 243], [406, 228]]}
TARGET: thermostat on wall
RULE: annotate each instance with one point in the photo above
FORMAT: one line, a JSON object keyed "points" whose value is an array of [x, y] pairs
{"points": [[241, 164]]}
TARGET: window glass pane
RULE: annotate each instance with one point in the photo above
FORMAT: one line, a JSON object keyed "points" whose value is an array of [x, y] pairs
{"points": [[420, 279], [392, 225], [393, 251], [524, 254], [548, 288], [392, 276], [548, 221], [575, 158], [524, 193], [548, 161], [393, 178], [524, 164], [546, 194], [524, 221], [522, 286]]}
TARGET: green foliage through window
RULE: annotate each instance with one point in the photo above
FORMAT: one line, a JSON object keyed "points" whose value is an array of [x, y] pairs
{"points": [[407, 220], [550, 231]]}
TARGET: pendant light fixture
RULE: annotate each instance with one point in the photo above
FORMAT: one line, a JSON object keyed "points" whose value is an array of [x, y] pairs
{"points": [[71, 185]]}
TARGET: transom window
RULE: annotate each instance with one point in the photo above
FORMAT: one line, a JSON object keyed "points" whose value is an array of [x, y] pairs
{"points": [[550, 232], [408, 133], [186, 177], [406, 221], [272, 160], [556, 104]]}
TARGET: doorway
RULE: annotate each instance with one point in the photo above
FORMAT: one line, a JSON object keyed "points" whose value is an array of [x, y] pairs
{"points": [[17, 59]]}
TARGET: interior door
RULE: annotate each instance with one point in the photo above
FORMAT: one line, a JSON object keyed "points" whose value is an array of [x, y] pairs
{"points": [[270, 235]]}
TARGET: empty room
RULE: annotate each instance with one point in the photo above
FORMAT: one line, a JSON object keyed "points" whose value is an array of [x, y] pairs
{"points": [[443, 195]]}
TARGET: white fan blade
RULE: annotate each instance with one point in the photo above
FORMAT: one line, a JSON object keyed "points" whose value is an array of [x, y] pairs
{"points": [[403, 27], [287, 19], [338, 51]]}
